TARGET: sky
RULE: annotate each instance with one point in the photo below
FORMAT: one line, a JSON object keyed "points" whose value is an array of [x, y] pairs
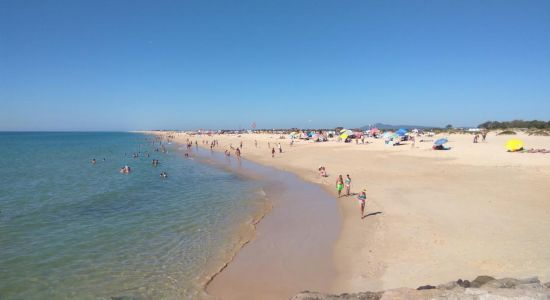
{"points": [[132, 65]]}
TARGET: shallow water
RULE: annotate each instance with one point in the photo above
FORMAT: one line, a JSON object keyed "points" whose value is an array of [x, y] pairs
{"points": [[70, 229]]}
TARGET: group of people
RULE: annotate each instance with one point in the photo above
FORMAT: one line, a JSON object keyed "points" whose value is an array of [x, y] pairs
{"points": [[342, 183], [483, 137]]}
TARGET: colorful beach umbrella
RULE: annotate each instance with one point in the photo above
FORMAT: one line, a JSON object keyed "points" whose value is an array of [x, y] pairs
{"points": [[374, 131], [358, 134], [441, 141], [344, 136], [387, 134], [514, 145]]}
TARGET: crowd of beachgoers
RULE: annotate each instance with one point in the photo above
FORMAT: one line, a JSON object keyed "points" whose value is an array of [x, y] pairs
{"points": [[288, 138]]}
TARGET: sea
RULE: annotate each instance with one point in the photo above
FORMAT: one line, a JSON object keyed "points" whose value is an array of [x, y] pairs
{"points": [[70, 229]]}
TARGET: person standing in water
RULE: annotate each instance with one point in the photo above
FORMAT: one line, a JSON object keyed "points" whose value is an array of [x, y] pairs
{"points": [[347, 183], [362, 198], [339, 185]]}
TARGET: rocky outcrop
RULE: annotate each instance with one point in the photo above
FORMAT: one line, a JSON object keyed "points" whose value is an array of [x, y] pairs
{"points": [[481, 288]]}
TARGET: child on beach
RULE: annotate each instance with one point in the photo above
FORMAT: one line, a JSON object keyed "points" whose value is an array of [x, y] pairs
{"points": [[322, 171], [347, 184], [339, 185], [362, 197]]}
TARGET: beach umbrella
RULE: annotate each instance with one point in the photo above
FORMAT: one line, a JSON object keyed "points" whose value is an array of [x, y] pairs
{"points": [[401, 131], [344, 136], [387, 134], [441, 141], [358, 134], [343, 130], [315, 137], [374, 131], [514, 145]]}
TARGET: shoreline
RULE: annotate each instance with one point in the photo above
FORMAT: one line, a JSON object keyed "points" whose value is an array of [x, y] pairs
{"points": [[240, 245], [415, 230], [275, 183]]}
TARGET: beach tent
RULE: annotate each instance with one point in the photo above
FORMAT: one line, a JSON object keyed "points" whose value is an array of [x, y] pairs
{"points": [[514, 145]]}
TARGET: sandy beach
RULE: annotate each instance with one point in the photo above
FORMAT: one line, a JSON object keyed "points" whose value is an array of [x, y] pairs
{"points": [[432, 216]]}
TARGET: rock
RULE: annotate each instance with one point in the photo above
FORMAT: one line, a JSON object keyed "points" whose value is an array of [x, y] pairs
{"points": [[448, 286], [481, 280], [463, 283], [512, 283], [425, 287], [483, 287], [345, 296]]}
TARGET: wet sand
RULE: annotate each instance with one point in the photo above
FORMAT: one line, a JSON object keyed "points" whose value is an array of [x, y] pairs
{"points": [[291, 249]]}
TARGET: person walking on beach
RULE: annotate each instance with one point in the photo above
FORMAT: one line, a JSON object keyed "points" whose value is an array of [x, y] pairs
{"points": [[347, 183], [273, 152], [339, 185], [280, 148], [483, 136], [362, 198], [238, 153]]}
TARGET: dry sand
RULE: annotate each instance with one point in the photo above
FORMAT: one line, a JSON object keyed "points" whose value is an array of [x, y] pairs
{"points": [[435, 215]]}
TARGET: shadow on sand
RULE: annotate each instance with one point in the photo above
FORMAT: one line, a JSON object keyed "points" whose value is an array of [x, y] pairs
{"points": [[372, 214]]}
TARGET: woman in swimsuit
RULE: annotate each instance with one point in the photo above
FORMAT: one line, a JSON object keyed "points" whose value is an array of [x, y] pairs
{"points": [[339, 185], [361, 198], [347, 184]]}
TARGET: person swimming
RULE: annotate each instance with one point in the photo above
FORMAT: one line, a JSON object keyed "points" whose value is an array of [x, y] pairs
{"points": [[125, 170], [93, 161], [163, 175]]}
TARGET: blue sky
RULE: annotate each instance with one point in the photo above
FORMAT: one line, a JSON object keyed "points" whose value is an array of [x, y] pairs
{"points": [[125, 65]]}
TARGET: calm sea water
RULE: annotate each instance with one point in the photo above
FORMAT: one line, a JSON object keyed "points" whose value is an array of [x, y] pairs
{"points": [[73, 230]]}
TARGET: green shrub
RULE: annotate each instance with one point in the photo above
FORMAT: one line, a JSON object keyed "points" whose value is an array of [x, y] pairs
{"points": [[507, 132]]}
